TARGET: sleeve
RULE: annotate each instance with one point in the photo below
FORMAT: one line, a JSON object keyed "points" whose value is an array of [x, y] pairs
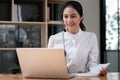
{"points": [[93, 54], [51, 42]]}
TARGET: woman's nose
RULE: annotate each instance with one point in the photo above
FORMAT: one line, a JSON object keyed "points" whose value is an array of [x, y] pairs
{"points": [[70, 20]]}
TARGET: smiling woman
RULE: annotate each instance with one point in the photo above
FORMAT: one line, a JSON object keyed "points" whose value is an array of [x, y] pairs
{"points": [[81, 53], [71, 19], [72, 15]]}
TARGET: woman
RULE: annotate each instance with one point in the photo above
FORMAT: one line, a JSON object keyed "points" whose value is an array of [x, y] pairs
{"points": [[80, 46]]}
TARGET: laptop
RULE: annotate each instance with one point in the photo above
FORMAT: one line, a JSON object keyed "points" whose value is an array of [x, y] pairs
{"points": [[42, 63]]}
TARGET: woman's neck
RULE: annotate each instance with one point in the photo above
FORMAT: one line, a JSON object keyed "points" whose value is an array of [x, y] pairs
{"points": [[74, 31]]}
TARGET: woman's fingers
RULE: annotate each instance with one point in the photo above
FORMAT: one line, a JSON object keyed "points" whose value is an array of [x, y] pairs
{"points": [[103, 71]]}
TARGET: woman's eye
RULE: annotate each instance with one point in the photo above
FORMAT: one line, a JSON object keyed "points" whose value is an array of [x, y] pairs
{"points": [[73, 16], [65, 16]]}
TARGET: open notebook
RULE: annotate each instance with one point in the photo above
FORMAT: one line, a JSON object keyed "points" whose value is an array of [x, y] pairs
{"points": [[94, 72]]}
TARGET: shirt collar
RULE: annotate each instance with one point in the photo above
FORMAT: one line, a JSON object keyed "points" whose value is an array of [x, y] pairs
{"points": [[70, 35]]}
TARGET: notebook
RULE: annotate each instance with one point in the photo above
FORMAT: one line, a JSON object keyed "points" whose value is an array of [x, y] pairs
{"points": [[42, 63], [94, 71]]}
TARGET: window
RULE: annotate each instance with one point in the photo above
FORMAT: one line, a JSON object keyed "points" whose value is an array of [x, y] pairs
{"points": [[110, 33], [112, 24]]}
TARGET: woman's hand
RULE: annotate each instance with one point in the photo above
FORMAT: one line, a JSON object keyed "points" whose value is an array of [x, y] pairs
{"points": [[103, 71]]}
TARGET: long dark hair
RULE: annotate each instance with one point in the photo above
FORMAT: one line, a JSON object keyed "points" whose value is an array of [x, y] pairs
{"points": [[78, 7]]}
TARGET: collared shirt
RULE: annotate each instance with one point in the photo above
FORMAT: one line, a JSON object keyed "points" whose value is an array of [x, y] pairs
{"points": [[81, 49]]}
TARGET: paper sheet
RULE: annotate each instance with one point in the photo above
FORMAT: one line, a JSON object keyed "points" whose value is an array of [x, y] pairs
{"points": [[94, 72]]}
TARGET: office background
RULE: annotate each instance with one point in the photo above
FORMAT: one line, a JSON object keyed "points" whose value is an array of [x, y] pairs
{"points": [[94, 20]]}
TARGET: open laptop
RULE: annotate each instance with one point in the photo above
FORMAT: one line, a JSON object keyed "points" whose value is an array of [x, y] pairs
{"points": [[42, 63]]}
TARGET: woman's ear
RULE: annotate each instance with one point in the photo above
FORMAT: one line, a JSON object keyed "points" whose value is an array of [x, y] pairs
{"points": [[81, 19]]}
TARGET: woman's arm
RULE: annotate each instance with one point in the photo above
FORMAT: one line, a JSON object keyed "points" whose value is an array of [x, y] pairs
{"points": [[93, 53], [93, 57], [51, 42]]}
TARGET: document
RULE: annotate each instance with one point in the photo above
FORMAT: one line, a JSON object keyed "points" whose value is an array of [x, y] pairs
{"points": [[95, 71]]}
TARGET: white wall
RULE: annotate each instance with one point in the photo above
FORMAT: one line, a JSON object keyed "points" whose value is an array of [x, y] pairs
{"points": [[92, 16]]}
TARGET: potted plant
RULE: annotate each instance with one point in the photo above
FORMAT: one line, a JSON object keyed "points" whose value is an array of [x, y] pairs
{"points": [[33, 16], [14, 68]]}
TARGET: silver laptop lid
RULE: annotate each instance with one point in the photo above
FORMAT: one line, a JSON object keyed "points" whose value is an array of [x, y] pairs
{"points": [[42, 62]]}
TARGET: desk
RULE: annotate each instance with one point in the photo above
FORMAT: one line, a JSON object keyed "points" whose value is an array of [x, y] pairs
{"points": [[109, 76]]}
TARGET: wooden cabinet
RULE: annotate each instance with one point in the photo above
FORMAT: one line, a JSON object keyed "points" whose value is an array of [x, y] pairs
{"points": [[27, 16], [27, 23]]}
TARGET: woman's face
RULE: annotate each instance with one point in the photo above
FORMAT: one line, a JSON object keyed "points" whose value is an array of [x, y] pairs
{"points": [[71, 19]]}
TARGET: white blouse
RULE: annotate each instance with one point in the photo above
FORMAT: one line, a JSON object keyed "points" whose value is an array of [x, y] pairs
{"points": [[81, 49]]}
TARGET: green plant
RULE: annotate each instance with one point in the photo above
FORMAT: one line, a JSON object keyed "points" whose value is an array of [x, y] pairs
{"points": [[33, 16], [14, 68]]}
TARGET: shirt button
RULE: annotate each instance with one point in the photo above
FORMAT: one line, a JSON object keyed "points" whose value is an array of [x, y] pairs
{"points": [[73, 41]]}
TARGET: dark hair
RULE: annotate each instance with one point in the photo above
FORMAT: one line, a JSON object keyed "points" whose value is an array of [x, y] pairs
{"points": [[78, 7]]}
